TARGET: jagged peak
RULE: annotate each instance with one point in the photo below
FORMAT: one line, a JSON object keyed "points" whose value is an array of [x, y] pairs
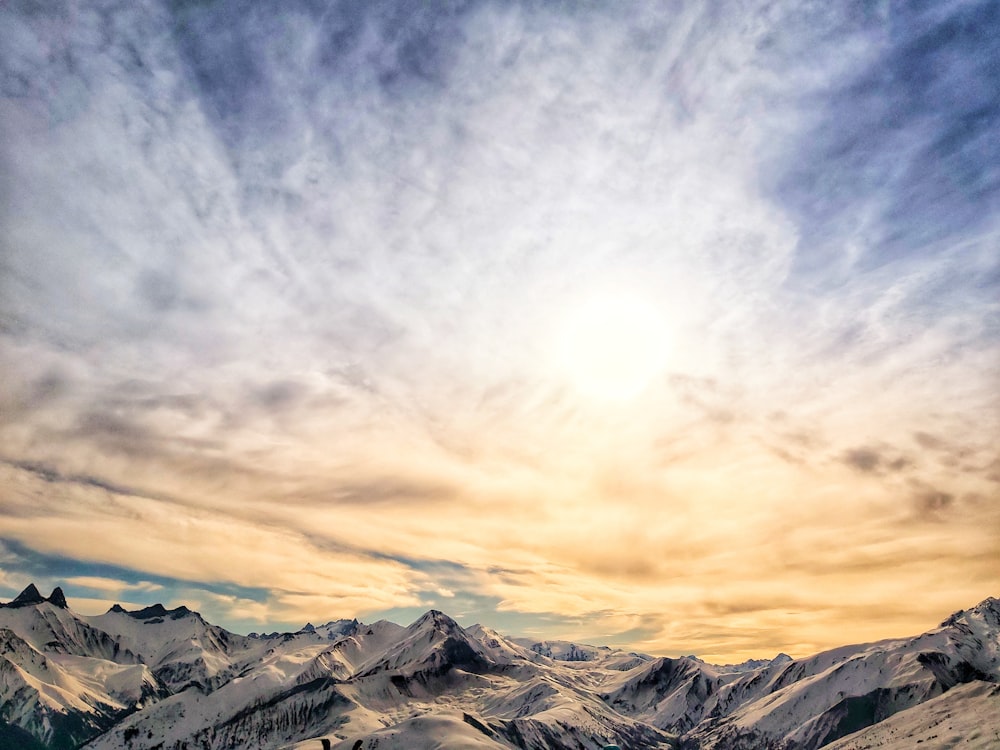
{"points": [[988, 607], [337, 628], [157, 611], [344, 622], [990, 602], [154, 610], [118, 608], [30, 591], [58, 598], [30, 595]]}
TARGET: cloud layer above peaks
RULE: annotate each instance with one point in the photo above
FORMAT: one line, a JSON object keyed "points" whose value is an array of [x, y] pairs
{"points": [[283, 291]]}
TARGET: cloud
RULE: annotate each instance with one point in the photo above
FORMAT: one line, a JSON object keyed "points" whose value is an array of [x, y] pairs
{"points": [[112, 586], [899, 150], [863, 459], [192, 544], [934, 501], [280, 290], [869, 460], [233, 607], [279, 395]]}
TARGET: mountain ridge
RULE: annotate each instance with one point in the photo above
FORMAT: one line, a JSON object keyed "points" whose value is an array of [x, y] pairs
{"points": [[124, 678], [31, 596]]}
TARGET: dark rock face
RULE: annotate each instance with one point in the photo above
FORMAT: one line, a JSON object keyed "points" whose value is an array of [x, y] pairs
{"points": [[458, 653], [27, 598], [473, 722], [58, 598], [949, 672], [156, 611], [31, 596]]}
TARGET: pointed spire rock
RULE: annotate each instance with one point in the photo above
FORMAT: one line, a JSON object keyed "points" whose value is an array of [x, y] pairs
{"points": [[58, 598], [116, 608]]}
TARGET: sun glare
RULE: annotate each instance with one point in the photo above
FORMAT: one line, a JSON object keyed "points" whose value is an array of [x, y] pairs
{"points": [[612, 345]]}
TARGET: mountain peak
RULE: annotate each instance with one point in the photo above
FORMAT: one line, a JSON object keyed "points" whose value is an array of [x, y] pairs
{"points": [[436, 619], [30, 595], [155, 611], [990, 602], [988, 608], [58, 598], [27, 598]]}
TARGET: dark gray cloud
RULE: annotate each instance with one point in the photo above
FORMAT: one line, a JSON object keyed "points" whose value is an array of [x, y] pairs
{"points": [[959, 456], [929, 441], [392, 491], [993, 471], [24, 398], [279, 395], [863, 459], [123, 435], [52, 475], [875, 460], [930, 503]]}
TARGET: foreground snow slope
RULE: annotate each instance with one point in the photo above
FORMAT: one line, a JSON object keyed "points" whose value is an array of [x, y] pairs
{"points": [[966, 717]]}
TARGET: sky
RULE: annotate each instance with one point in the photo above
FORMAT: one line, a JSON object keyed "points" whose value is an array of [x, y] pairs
{"points": [[673, 326]]}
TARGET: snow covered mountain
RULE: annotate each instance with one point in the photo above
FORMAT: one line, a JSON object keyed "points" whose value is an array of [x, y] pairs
{"points": [[162, 679]]}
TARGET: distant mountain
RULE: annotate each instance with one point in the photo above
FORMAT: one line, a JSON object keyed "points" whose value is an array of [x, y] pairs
{"points": [[750, 665], [165, 679]]}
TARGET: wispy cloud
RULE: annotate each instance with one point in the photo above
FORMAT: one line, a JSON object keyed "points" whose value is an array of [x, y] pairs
{"points": [[281, 293], [112, 586]]}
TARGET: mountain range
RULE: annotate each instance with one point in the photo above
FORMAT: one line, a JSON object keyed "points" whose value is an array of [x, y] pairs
{"points": [[165, 679]]}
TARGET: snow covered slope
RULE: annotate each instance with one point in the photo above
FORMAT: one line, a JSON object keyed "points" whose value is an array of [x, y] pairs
{"points": [[178, 645], [967, 716], [812, 702], [61, 680], [161, 678], [443, 731]]}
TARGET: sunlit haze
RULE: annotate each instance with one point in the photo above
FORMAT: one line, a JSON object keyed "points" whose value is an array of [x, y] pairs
{"points": [[672, 326], [611, 345]]}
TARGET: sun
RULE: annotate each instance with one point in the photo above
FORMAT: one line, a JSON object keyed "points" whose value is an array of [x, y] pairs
{"points": [[611, 345]]}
